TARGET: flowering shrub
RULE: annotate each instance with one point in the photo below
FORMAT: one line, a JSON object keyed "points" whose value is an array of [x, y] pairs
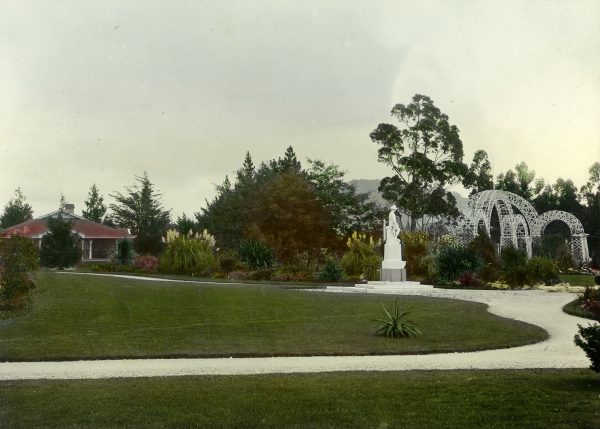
{"points": [[362, 258], [147, 263], [189, 254]]}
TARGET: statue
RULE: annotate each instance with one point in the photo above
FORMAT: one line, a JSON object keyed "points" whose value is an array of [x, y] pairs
{"points": [[393, 268], [392, 229]]}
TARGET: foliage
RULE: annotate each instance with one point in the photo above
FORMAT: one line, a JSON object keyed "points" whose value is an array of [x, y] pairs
{"points": [[548, 245], [521, 182], [361, 258], [185, 225], [16, 211], [514, 266], [146, 263], [564, 257], [94, 206], [256, 254], [541, 270], [589, 301], [348, 210], [588, 339], [228, 261], [262, 274], [452, 261], [597, 280], [331, 271], [60, 247], [426, 154], [288, 215], [483, 246], [124, 254], [140, 210], [395, 324], [293, 273], [479, 176], [18, 257], [415, 246], [187, 254]]}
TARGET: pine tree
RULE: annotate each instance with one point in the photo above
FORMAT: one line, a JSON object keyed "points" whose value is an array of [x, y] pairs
{"points": [[16, 211], [141, 210], [95, 208], [60, 247]]}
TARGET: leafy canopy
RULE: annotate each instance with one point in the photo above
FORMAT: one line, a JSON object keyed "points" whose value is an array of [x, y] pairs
{"points": [[425, 153], [60, 247]]}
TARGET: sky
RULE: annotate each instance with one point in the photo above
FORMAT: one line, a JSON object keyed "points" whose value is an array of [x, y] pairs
{"points": [[99, 92]]}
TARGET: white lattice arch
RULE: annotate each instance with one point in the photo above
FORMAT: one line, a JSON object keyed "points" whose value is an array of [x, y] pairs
{"points": [[519, 221], [579, 247]]}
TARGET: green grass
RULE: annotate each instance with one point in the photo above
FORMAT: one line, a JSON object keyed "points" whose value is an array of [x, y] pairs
{"points": [[577, 279], [416, 399], [573, 308], [90, 317]]}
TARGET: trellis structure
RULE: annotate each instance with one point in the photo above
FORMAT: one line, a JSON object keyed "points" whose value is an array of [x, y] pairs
{"points": [[520, 223]]}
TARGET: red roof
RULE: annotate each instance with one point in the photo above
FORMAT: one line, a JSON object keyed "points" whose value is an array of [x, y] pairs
{"points": [[85, 228]]}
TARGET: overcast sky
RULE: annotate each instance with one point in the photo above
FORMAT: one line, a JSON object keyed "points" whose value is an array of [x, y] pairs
{"points": [[99, 91]]}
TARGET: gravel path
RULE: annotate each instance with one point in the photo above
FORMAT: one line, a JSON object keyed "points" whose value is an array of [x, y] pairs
{"points": [[533, 306]]}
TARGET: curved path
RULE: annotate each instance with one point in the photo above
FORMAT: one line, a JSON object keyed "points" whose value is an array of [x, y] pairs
{"points": [[533, 306]]}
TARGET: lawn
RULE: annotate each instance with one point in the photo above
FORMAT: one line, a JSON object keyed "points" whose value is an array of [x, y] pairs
{"points": [[577, 279], [89, 317], [416, 399]]}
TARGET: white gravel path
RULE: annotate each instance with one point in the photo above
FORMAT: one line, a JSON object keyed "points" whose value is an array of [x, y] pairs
{"points": [[533, 306]]}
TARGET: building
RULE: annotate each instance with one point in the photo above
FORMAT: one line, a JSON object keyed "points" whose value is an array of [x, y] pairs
{"points": [[98, 241]]}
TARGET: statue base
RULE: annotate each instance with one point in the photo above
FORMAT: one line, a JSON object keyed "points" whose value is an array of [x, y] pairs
{"points": [[393, 275]]}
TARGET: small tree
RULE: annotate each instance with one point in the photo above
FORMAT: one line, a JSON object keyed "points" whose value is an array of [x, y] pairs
{"points": [[589, 340], [60, 247], [16, 211], [94, 206]]}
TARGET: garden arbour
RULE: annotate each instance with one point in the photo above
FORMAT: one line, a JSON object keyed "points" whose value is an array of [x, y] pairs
{"points": [[520, 224]]}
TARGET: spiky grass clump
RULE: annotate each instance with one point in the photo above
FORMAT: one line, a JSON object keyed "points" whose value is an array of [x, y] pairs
{"points": [[395, 325]]}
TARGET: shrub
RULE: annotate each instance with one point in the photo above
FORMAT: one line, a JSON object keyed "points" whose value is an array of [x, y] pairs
{"points": [[514, 266], [470, 280], [18, 257], [256, 254], [331, 271], [293, 273], [564, 257], [146, 263], [589, 340], [483, 246], [597, 280], [124, 254], [362, 258], [395, 325], [541, 270], [187, 254], [262, 274], [60, 247], [414, 251], [450, 262], [238, 275], [227, 262]]}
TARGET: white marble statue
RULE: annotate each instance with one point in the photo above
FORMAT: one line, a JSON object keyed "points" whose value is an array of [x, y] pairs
{"points": [[392, 229]]}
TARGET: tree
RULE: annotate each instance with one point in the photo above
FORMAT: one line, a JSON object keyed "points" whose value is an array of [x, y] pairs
{"points": [[349, 211], [479, 177], [18, 257], [521, 182], [141, 210], [288, 216], [94, 206], [590, 194], [185, 225], [60, 247], [16, 211], [425, 153]]}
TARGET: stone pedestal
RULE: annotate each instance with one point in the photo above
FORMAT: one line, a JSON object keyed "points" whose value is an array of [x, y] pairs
{"points": [[393, 268]]}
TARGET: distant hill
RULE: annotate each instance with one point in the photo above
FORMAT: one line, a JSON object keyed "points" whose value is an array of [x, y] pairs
{"points": [[369, 186]]}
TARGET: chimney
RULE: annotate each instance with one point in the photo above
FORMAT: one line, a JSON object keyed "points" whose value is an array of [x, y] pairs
{"points": [[69, 208]]}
